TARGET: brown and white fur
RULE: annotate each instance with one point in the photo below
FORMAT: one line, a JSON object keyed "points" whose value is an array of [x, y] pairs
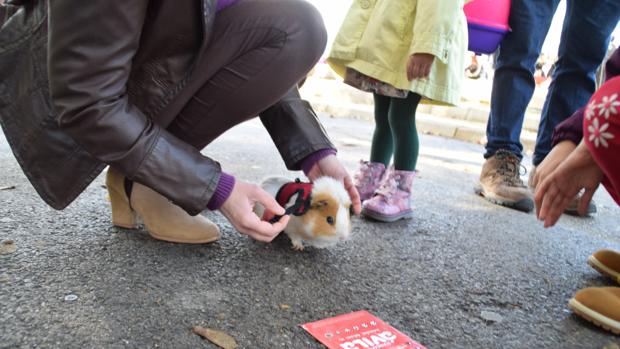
{"points": [[329, 199]]}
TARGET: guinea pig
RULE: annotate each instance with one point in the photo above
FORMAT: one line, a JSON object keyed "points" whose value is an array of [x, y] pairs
{"points": [[320, 211]]}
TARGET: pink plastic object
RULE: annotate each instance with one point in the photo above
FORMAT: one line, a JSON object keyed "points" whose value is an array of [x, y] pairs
{"points": [[487, 24], [492, 13]]}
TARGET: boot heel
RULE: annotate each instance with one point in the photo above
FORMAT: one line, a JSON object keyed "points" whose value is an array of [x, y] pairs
{"points": [[122, 214]]}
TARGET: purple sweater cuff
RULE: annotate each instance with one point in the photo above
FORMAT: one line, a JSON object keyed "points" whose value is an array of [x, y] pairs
{"points": [[310, 160], [570, 129], [221, 4], [224, 188]]}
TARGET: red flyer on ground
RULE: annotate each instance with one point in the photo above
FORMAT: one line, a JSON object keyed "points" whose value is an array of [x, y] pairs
{"points": [[359, 330]]}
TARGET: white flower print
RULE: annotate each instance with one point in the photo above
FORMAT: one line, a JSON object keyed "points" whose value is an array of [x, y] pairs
{"points": [[590, 110], [608, 105], [598, 134]]}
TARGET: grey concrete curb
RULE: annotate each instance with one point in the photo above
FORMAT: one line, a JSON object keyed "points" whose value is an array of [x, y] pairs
{"points": [[430, 120]]}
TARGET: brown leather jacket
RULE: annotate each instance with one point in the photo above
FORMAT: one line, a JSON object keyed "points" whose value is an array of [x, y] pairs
{"points": [[88, 97]]}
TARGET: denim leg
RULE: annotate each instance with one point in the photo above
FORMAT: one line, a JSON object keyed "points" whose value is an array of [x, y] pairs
{"points": [[585, 37], [513, 84]]}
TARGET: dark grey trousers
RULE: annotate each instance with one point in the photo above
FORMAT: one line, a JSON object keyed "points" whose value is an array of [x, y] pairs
{"points": [[259, 51]]}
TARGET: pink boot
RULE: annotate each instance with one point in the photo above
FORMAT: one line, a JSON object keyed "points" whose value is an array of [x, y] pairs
{"points": [[368, 178], [392, 200]]}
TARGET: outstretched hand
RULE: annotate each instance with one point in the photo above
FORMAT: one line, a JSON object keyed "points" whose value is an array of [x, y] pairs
{"points": [[558, 154], [331, 167], [579, 171], [238, 209]]}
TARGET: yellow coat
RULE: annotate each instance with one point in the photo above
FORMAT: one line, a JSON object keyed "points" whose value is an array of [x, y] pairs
{"points": [[378, 36]]}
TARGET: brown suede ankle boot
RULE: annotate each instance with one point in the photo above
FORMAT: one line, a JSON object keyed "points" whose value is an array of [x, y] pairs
{"points": [[162, 219]]}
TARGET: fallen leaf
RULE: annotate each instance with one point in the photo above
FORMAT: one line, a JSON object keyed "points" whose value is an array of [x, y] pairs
{"points": [[611, 346], [219, 338], [285, 306], [10, 187], [7, 247]]}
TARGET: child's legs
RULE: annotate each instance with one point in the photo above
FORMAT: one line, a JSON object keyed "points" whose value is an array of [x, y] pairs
{"points": [[402, 123], [382, 142]]}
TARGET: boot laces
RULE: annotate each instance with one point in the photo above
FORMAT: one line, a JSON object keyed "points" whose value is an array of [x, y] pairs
{"points": [[510, 169]]}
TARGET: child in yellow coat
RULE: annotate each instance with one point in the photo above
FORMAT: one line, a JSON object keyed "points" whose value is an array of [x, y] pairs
{"points": [[402, 51]]}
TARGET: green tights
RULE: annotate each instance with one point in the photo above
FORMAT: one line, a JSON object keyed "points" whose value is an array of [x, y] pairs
{"points": [[395, 131]]}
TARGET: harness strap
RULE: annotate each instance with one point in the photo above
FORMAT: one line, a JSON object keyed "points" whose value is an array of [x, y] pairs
{"points": [[302, 201]]}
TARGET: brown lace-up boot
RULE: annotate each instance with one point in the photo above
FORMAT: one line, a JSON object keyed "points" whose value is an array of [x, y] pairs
{"points": [[500, 182]]}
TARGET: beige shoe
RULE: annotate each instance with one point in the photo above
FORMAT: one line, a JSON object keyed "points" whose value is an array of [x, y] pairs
{"points": [[606, 262], [501, 183], [162, 219], [572, 208], [599, 305]]}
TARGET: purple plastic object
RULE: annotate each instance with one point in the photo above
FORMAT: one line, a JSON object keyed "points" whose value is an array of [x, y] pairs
{"points": [[485, 38]]}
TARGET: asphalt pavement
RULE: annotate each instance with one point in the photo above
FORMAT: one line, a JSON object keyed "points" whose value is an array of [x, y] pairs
{"points": [[463, 273]]}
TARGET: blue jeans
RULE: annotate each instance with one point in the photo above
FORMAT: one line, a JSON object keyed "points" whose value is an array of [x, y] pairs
{"points": [[585, 36]]}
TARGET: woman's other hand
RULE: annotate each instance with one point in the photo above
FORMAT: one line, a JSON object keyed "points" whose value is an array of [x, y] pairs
{"points": [[558, 154], [238, 209], [419, 65], [331, 167], [579, 171]]}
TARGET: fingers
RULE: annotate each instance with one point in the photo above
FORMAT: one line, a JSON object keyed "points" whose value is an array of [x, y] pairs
{"points": [[261, 230], [552, 199], [534, 181], [268, 202], [556, 208], [238, 210], [427, 71], [418, 71], [410, 67], [541, 191], [584, 201], [419, 66], [353, 194], [543, 200]]}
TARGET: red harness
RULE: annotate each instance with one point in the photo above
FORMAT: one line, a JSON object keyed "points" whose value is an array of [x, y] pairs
{"points": [[302, 202]]}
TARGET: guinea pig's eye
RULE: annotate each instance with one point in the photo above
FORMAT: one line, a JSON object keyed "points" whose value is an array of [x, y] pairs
{"points": [[330, 220]]}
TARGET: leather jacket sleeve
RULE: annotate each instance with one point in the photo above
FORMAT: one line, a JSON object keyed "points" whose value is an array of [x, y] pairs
{"points": [[295, 129], [91, 47]]}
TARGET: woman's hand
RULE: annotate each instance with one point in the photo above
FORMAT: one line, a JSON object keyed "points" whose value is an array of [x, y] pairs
{"points": [[331, 167], [238, 209], [419, 65], [579, 171], [558, 154]]}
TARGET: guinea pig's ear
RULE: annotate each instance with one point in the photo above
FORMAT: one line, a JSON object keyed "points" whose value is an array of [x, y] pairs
{"points": [[319, 205]]}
